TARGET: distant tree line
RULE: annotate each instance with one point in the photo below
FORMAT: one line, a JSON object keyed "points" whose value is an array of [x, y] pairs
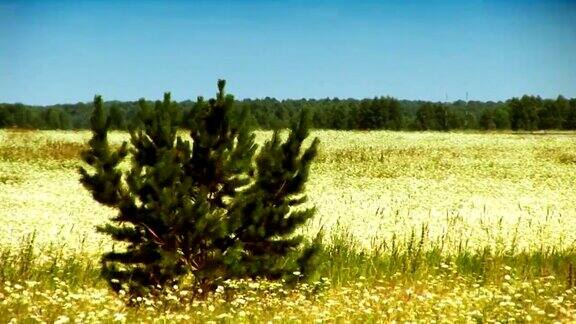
{"points": [[525, 113]]}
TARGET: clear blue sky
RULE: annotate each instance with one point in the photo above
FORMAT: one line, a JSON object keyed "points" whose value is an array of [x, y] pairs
{"points": [[67, 51]]}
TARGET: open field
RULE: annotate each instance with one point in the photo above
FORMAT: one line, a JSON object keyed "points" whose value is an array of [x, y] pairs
{"points": [[441, 226], [469, 190]]}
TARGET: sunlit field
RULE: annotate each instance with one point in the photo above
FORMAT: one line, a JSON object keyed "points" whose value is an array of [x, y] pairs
{"points": [[446, 227]]}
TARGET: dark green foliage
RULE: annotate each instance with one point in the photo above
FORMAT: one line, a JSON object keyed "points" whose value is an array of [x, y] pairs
{"points": [[442, 117], [550, 114], [117, 117], [570, 120], [526, 113], [487, 120], [495, 119], [379, 113], [211, 209], [432, 117]]}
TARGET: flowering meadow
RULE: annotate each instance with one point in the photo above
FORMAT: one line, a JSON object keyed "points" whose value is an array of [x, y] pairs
{"points": [[418, 227]]}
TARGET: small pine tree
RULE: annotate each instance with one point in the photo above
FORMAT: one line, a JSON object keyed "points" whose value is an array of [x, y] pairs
{"points": [[212, 208]]}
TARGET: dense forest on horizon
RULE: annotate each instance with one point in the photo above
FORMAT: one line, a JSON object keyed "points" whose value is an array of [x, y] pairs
{"points": [[525, 113]]}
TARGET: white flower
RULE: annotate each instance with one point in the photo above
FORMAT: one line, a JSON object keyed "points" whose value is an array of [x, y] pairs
{"points": [[62, 319], [119, 317]]}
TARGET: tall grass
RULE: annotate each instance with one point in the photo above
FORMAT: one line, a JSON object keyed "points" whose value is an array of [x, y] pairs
{"points": [[343, 260], [396, 281], [27, 261], [467, 228]]}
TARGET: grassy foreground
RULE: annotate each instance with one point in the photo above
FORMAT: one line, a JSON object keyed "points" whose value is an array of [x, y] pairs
{"points": [[352, 286], [419, 227]]}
